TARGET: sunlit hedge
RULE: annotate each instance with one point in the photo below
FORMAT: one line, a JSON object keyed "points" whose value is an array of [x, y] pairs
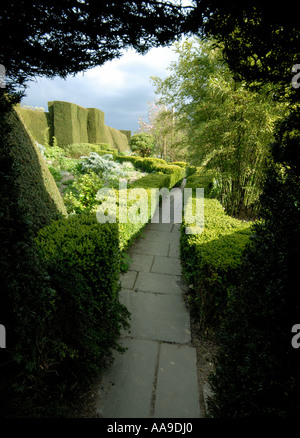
{"points": [[211, 259]]}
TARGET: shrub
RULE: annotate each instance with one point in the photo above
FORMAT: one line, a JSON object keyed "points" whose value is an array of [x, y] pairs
{"points": [[28, 202], [190, 170], [147, 164], [176, 173], [154, 180], [150, 164], [105, 147], [142, 144], [257, 370], [78, 150], [81, 195], [182, 164], [211, 260], [83, 261], [203, 179]]}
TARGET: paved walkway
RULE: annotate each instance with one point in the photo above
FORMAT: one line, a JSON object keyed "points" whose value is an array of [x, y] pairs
{"points": [[157, 376]]}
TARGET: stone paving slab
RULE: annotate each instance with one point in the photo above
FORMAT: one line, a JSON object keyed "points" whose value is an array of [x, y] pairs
{"points": [[177, 393], [157, 317], [158, 247], [174, 251], [166, 265], [160, 236], [141, 262], [160, 227], [158, 283], [176, 229], [128, 279], [126, 387]]}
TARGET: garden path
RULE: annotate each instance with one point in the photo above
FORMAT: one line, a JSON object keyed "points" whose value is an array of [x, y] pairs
{"points": [[157, 376]]}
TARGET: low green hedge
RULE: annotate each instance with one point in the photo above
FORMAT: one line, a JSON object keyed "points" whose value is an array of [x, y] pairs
{"points": [[191, 170], [211, 259], [82, 258], [180, 163], [153, 180], [175, 173], [147, 164], [129, 231], [77, 150], [202, 179]]}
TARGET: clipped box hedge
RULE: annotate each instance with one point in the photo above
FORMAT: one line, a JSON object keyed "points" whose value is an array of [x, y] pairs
{"points": [[77, 150], [202, 179], [129, 231], [82, 258], [153, 180], [147, 164], [175, 173], [211, 260]]}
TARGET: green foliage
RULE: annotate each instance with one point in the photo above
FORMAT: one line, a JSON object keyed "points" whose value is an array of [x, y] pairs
{"points": [[54, 155], [55, 173], [142, 144], [37, 189], [37, 123], [176, 173], [228, 128], [98, 164], [81, 194], [147, 164], [256, 332], [180, 163], [203, 178], [154, 180], [83, 260], [25, 299], [211, 260], [150, 164], [79, 149]]}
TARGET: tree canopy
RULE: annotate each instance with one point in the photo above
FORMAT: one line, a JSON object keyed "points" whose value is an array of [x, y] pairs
{"points": [[261, 41], [227, 127], [59, 38]]}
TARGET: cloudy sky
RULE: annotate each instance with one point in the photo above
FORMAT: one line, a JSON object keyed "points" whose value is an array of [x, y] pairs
{"points": [[121, 88]]}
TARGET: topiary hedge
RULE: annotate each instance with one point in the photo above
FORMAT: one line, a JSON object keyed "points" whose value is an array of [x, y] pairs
{"points": [[29, 200], [211, 259]]}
